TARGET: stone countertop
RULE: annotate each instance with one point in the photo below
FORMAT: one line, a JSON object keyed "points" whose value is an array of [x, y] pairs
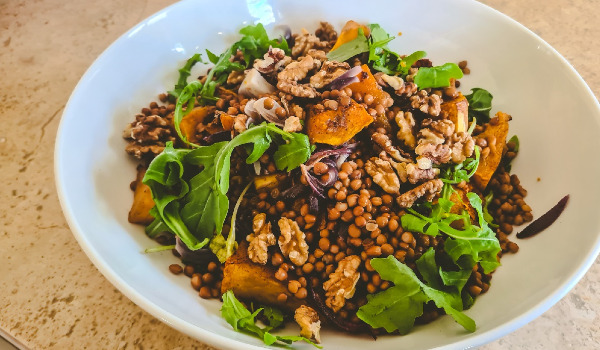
{"points": [[51, 296]]}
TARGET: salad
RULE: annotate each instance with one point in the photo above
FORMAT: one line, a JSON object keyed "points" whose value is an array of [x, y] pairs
{"points": [[327, 179]]}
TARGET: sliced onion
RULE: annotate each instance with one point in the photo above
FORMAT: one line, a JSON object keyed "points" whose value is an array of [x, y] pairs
{"points": [[293, 191], [255, 108], [349, 77], [339, 322], [257, 167], [217, 137]]}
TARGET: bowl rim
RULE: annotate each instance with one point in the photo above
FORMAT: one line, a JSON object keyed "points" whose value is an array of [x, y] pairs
{"points": [[200, 334]]}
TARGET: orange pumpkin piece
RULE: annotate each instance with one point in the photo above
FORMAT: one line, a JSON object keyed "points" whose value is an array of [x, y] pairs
{"points": [[368, 85], [191, 120], [349, 33], [336, 127], [496, 131], [227, 121], [457, 110], [142, 201]]}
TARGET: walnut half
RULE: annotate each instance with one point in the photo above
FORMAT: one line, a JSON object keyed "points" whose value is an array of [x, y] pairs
{"points": [[260, 240], [293, 241], [308, 320], [383, 174], [342, 282]]}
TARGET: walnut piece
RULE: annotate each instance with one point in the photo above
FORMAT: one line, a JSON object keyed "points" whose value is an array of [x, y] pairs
{"points": [[383, 141], [292, 124], [292, 241], [306, 41], [330, 70], [428, 190], [406, 124], [288, 78], [432, 141], [239, 123], [383, 174], [148, 135], [260, 240], [308, 320], [462, 146], [273, 61], [429, 104], [342, 282], [235, 77], [401, 87], [327, 34]]}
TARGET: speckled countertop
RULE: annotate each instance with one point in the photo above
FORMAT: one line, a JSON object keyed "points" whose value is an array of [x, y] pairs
{"points": [[51, 296]]}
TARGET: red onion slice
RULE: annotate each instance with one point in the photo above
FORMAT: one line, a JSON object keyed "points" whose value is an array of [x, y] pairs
{"points": [[544, 221], [345, 79]]}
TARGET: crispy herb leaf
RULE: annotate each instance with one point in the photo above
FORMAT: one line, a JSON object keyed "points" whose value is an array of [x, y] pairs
{"points": [[438, 76], [480, 105], [236, 314], [397, 307]]}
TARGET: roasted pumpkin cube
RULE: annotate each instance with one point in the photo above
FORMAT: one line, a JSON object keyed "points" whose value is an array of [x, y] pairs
{"points": [[368, 85], [142, 201], [349, 32], [495, 135], [335, 127], [457, 110], [255, 282], [191, 120]]}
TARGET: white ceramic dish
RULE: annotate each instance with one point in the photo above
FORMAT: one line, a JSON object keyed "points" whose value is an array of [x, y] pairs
{"points": [[555, 115]]}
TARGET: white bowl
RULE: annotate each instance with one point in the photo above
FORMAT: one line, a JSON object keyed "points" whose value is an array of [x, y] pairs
{"points": [[555, 115]]}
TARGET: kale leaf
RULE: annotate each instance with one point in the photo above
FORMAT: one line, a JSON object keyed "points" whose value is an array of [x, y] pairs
{"points": [[480, 105]]}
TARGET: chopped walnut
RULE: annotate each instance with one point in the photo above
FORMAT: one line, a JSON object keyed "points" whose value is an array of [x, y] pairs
{"points": [[148, 135], [383, 174], [288, 78], [428, 190], [308, 320], [401, 87], [327, 34], [406, 124], [430, 104], [273, 61], [462, 146], [239, 123], [383, 141], [330, 70], [342, 282], [260, 240], [292, 124], [416, 174], [319, 56], [235, 77], [411, 74], [442, 127], [305, 42], [432, 141], [292, 241]]}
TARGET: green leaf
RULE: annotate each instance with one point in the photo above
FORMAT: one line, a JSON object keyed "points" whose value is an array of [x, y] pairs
{"points": [[274, 316], [156, 227], [236, 314], [480, 105], [407, 62], [184, 73], [456, 279], [296, 151], [506, 163], [350, 49], [165, 179], [439, 76], [397, 307]]}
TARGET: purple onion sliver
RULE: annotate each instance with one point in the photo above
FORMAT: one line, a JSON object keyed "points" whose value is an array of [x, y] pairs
{"points": [[544, 221], [349, 77], [340, 323], [217, 137], [293, 191], [201, 256], [313, 203]]}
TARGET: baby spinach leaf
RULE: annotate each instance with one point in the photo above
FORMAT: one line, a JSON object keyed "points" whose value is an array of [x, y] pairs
{"points": [[480, 105], [438, 76], [242, 320], [397, 307]]}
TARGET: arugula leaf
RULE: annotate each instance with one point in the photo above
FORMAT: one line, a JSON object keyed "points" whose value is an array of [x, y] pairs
{"points": [[480, 105], [155, 228], [507, 163], [199, 210], [397, 307], [274, 316], [165, 179], [293, 153], [407, 62], [184, 73], [236, 314], [350, 49], [486, 214], [438, 76], [455, 174]]}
